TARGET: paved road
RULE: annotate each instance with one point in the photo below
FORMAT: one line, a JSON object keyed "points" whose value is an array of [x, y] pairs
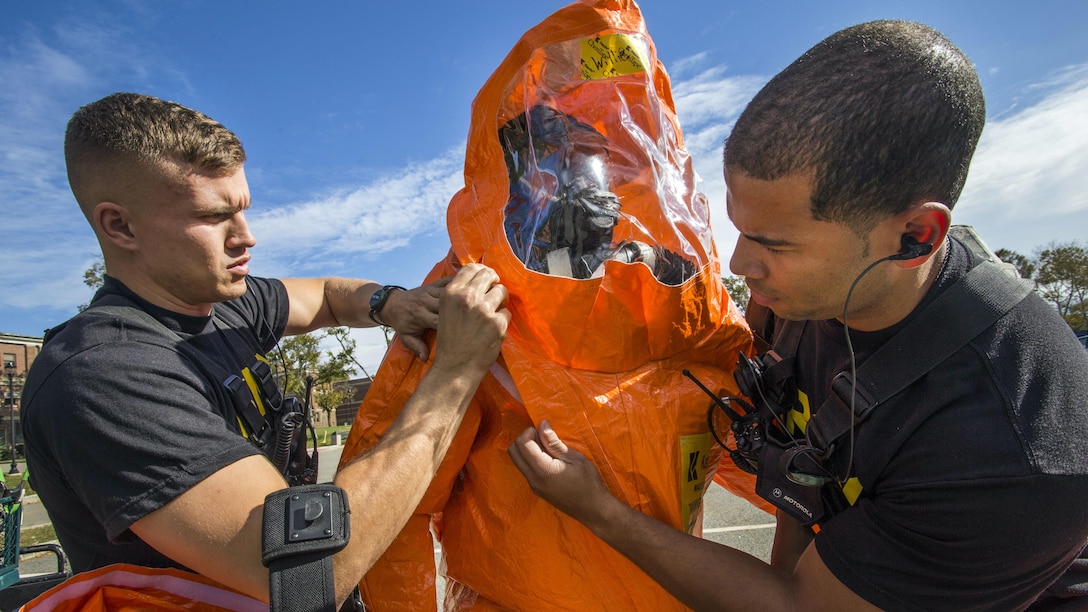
{"points": [[34, 513]]}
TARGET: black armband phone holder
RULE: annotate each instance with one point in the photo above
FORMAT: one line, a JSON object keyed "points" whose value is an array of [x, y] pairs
{"points": [[303, 527]]}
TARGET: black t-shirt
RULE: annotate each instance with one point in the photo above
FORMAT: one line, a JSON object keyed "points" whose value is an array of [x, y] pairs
{"points": [[122, 414], [975, 478]]}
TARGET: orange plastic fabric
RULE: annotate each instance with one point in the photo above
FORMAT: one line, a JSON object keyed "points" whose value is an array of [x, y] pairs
{"points": [[117, 588], [578, 120]]}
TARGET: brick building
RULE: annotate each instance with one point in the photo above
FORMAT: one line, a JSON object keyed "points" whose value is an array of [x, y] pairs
{"points": [[18, 353], [344, 412]]}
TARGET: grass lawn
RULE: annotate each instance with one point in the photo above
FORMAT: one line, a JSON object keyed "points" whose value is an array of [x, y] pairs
{"points": [[324, 434], [37, 535], [12, 480]]}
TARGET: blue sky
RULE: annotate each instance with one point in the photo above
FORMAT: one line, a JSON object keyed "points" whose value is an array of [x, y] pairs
{"points": [[354, 117]]}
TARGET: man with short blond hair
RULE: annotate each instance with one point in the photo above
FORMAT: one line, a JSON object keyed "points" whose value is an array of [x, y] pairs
{"points": [[136, 413]]}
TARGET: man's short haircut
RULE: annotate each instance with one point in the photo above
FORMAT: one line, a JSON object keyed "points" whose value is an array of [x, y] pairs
{"points": [[126, 130], [884, 115]]}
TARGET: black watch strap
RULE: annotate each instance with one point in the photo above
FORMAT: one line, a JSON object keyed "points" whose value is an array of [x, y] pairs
{"points": [[303, 527], [378, 300]]}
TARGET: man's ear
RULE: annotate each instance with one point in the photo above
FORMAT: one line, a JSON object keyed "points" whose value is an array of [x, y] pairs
{"points": [[111, 221], [925, 223]]}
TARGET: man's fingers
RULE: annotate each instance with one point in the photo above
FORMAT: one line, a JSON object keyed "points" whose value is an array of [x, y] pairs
{"points": [[478, 284], [538, 449], [559, 475], [476, 274], [536, 454], [498, 295], [417, 346], [473, 321], [524, 446], [550, 441], [435, 290]]}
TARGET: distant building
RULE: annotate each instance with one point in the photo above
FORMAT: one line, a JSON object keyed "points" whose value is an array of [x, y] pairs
{"points": [[18, 353], [20, 350], [343, 413]]}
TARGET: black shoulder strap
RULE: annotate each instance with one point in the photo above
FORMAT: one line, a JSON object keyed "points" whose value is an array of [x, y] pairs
{"points": [[987, 291]]}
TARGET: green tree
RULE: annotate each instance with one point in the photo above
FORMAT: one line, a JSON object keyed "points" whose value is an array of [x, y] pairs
{"points": [[737, 289], [328, 396], [1023, 264], [301, 356], [1062, 279], [347, 345], [93, 277]]}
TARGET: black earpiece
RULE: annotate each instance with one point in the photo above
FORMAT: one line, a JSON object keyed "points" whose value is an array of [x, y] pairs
{"points": [[912, 249]]}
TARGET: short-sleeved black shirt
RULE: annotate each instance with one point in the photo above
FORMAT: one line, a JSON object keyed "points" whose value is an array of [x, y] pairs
{"points": [[122, 414], [975, 478]]}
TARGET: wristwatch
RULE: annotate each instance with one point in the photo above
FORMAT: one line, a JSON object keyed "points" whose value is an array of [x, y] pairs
{"points": [[378, 300]]}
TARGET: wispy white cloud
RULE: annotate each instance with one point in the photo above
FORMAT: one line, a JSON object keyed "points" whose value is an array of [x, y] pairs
{"points": [[1028, 183], [685, 65], [47, 74], [34, 76], [707, 104], [42, 226], [364, 220], [713, 96], [59, 282]]}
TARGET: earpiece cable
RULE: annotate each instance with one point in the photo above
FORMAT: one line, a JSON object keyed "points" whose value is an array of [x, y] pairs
{"points": [[853, 362]]}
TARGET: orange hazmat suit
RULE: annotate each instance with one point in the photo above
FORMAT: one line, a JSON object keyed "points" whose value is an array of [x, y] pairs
{"points": [[580, 194]]}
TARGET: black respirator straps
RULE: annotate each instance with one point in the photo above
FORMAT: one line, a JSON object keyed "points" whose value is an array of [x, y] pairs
{"points": [[303, 527]]}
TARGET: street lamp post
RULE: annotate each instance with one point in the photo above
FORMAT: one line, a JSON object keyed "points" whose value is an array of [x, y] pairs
{"points": [[9, 369]]}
